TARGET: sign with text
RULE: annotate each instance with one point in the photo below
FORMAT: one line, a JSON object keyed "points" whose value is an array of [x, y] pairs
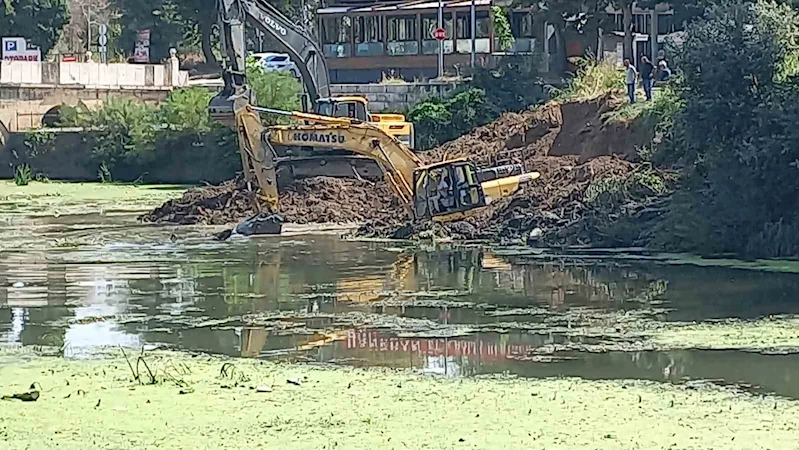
{"points": [[18, 49], [440, 34], [141, 53]]}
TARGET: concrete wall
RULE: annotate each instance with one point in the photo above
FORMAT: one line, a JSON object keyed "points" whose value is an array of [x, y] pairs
{"points": [[393, 97], [91, 74]]}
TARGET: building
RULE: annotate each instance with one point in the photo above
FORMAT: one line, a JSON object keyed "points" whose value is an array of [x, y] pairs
{"points": [[367, 42], [651, 28]]}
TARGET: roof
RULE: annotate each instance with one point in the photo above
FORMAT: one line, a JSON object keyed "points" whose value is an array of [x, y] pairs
{"points": [[401, 6]]}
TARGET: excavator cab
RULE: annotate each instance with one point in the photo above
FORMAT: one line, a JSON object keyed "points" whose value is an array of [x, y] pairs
{"points": [[351, 107], [446, 189], [357, 108]]}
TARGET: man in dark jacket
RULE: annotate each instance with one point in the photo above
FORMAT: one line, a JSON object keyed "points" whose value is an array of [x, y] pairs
{"points": [[647, 71]]}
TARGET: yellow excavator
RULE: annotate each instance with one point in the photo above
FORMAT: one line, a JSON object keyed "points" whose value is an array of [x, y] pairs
{"points": [[444, 191]]}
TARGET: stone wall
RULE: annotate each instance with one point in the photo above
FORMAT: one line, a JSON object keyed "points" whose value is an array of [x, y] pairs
{"points": [[24, 107], [393, 97]]}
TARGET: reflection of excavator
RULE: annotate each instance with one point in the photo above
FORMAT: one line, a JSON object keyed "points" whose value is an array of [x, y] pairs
{"points": [[443, 191], [301, 161]]}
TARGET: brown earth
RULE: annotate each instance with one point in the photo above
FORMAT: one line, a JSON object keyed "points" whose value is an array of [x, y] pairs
{"points": [[312, 200], [571, 145], [553, 129]]}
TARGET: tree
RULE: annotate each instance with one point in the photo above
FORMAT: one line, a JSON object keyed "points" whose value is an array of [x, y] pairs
{"points": [[85, 16], [200, 17], [161, 17], [737, 135], [39, 21]]}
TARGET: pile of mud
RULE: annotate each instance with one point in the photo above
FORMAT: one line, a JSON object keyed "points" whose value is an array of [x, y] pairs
{"points": [[580, 129], [312, 200], [551, 210]]}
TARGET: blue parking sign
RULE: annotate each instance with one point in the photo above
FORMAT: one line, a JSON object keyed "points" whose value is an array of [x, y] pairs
{"points": [[11, 46]]}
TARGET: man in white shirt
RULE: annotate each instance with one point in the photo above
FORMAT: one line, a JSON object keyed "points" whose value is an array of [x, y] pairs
{"points": [[631, 77]]}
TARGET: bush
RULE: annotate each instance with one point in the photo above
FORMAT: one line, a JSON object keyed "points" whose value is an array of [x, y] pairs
{"points": [[593, 79], [432, 122], [736, 136], [176, 140], [22, 175], [277, 90]]}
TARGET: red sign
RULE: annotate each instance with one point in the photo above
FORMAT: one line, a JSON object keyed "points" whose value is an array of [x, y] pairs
{"points": [[440, 34], [69, 58]]}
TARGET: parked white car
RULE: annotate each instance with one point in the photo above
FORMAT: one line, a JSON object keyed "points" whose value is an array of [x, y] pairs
{"points": [[276, 62]]}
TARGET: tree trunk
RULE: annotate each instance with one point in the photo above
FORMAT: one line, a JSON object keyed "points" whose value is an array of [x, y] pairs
{"points": [[627, 20], [206, 28]]}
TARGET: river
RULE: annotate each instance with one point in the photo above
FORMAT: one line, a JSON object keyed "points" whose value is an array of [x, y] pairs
{"points": [[87, 282]]}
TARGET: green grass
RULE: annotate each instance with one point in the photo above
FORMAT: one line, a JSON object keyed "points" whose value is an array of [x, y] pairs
{"points": [[664, 104], [58, 198], [592, 80]]}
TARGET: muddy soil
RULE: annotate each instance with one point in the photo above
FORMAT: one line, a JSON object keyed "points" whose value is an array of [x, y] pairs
{"points": [[572, 145], [312, 200], [577, 129]]}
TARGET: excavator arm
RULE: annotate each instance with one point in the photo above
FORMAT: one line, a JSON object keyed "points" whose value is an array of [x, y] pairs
{"points": [[290, 37], [232, 106]]}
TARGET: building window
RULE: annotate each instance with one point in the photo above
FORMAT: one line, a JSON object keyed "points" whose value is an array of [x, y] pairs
{"points": [[336, 30], [642, 23], [521, 24], [430, 23], [402, 28], [368, 29], [463, 26]]}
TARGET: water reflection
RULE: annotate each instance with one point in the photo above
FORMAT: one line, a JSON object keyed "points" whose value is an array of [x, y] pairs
{"points": [[137, 287]]}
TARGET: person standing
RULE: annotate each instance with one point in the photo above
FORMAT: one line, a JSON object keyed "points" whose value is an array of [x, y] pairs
{"points": [[647, 76], [631, 75]]}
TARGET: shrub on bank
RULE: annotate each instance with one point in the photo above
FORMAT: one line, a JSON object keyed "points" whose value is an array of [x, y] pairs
{"points": [[175, 141]]}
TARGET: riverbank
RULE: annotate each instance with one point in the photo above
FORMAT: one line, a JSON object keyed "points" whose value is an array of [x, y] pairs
{"points": [[201, 401]]}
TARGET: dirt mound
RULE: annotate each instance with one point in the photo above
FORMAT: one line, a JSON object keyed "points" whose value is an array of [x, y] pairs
{"points": [[580, 129], [577, 150], [551, 210], [312, 200]]}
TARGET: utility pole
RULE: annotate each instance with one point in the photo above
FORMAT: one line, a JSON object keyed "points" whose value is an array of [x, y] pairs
{"points": [[441, 41], [474, 32]]}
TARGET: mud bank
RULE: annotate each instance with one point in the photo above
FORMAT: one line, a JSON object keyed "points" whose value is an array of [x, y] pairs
{"points": [[208, 402], [313, 200]]}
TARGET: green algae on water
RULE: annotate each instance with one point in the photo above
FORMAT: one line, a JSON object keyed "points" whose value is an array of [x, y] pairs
{"points": [[61, 198], [203, 402]]}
